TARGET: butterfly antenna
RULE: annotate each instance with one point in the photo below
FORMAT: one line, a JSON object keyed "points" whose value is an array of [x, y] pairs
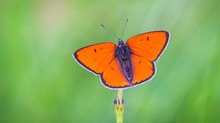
{"points": [[109, 31], [124, 27]]}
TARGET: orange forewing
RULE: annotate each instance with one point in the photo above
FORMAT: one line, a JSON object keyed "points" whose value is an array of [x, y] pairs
{"points": [[149, 45], [96, 57]]}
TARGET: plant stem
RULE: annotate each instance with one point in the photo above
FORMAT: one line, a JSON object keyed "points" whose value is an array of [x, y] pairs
{"points": [[119, 107]]}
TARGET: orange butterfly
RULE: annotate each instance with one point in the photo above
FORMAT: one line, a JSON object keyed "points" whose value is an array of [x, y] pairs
{"points": [[126, 64]]}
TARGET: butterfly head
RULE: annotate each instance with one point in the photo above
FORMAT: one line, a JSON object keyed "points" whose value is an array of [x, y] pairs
{"points": [[121, 48], [120, 42]]}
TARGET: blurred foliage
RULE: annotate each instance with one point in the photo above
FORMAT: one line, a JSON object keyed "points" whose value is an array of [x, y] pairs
{"points": [[41, 83]]}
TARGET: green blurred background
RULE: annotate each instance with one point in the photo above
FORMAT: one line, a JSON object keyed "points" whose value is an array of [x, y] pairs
{"points": [[41, 83]]}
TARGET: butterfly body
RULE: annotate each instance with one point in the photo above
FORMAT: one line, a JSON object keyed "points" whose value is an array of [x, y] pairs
{"points": [[122, 53], [126, 64]]}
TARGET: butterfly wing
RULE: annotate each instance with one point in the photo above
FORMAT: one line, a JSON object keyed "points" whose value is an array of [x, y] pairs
{"points": [[146, 48], [113, 77], [100, 59], [143, 69], [96, 57], [149, 45]]}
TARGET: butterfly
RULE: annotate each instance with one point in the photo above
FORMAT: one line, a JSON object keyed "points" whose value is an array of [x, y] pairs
{"points": [[125, 64]]}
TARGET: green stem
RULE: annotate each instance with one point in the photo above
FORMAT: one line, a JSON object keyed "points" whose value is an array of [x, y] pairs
{"points": [[119, 107]]}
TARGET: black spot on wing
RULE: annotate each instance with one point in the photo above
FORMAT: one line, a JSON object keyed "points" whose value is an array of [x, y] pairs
{"points": [[139, 62], [95, 50]]}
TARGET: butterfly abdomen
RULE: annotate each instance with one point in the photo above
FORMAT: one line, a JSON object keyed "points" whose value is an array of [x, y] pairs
{"points": [[123, 55]]}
